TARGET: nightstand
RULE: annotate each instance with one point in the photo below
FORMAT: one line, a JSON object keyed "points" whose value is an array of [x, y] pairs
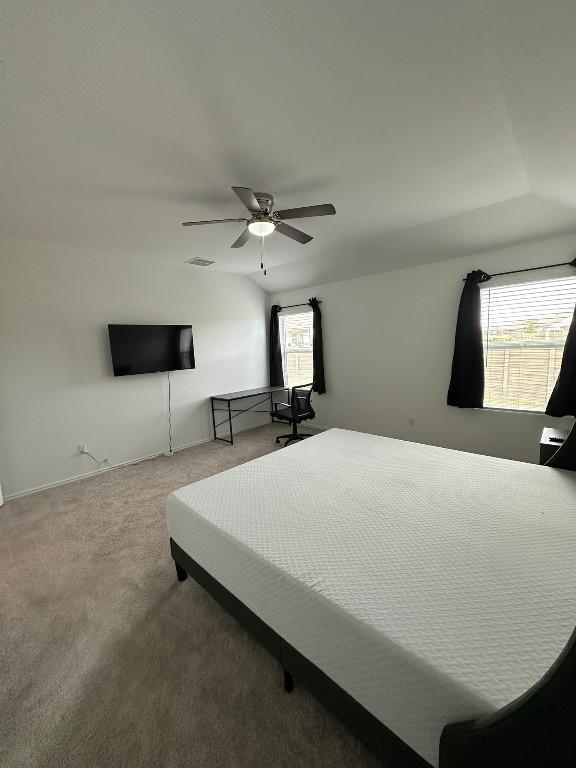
{"points": [[550, 441]]}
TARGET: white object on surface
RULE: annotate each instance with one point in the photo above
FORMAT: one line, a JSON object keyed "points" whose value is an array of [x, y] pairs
{"points": [[432, 585]]}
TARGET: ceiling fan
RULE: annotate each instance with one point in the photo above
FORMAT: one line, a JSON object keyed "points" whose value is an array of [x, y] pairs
{"points": [[264, 219]]}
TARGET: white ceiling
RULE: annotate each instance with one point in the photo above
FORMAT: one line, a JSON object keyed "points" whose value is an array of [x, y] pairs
{"points": [[436, 127]]}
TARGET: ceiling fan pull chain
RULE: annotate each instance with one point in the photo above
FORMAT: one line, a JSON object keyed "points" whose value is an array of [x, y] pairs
{"points": [[262, 255]]}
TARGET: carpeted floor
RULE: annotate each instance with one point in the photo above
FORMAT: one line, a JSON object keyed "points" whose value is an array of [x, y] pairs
{"points": [[107, 661]]}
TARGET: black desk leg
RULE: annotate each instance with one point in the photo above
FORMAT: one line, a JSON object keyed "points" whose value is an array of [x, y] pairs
{"points": [[213, 418], [230, 423]]}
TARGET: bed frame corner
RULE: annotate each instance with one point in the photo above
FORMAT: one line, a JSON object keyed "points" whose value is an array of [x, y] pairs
{"points": [[538, 730]]}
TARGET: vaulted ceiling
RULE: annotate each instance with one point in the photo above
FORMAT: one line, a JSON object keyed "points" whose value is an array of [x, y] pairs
{"points": [[436, 127]]}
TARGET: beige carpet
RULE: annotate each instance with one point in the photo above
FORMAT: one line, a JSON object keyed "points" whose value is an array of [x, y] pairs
{"points": [[106, 660]]}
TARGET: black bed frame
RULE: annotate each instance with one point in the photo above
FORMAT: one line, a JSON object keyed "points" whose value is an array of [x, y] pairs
{"points": [[538, 730]]}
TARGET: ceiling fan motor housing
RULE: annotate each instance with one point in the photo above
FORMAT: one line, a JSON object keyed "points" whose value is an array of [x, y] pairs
{"points": [[265, 200]]}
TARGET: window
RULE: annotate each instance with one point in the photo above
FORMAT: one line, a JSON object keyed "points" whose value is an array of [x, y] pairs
{"points": [[296, 343], [524, 326]]}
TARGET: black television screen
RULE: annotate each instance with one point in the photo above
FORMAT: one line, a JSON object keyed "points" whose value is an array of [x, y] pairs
{"points": [[151, 348]]}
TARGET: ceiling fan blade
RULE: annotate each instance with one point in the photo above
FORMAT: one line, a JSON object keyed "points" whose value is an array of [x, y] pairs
{"points": [[295, 234], [209, 221], [327, 209], [242, 239], [248, 198]]}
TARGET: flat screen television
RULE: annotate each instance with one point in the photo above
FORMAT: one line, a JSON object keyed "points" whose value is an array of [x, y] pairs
{"points": [[151, 348]]}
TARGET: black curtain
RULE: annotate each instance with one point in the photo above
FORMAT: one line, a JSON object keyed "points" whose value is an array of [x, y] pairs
{"points": [[563, 398], [318, 348], [275, 360], [467, 382]]}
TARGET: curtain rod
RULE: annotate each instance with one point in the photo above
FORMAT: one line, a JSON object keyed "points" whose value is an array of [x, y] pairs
{"points": [[291, 306], [533, 269]]}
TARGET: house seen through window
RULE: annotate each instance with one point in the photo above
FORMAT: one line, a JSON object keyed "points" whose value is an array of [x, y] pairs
{"points": [[296, 343], [524, 328]]}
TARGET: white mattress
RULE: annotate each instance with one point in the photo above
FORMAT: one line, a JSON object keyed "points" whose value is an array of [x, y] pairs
{"points": [[433, 585]]}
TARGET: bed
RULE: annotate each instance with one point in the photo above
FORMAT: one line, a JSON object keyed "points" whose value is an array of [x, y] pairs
{"points": [[427, 596]]}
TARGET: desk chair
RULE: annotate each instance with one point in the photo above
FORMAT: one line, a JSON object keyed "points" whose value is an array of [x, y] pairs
{"points": [[565, 456], [294, 413]]}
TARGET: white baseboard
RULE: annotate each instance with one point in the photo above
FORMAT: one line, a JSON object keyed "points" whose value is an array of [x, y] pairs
{"points": [[85, 475]]}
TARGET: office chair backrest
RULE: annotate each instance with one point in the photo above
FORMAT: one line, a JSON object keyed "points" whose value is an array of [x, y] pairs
{"points": [[300, 401], [565, 456]]}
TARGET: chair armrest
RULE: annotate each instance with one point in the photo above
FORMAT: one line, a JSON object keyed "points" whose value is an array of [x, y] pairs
{"points": [[286, 405]]}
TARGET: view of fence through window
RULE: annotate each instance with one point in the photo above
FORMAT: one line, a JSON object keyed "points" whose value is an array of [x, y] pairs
{"points": [[524, 329], [296, 344]]}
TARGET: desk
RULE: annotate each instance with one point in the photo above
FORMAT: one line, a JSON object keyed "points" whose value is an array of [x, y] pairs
{"points": [[267, 394], [550, 441]]}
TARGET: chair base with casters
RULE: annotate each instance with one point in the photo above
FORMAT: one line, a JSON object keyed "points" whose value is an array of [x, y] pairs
{"points": [[294, 437], [298, 410]]}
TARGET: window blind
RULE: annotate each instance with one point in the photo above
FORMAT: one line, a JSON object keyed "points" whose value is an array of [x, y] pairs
{"points": [[524, 327], [297, 344]]}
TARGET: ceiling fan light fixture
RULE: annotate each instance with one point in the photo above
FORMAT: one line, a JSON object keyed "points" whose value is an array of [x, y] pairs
{"points": [[261, 228]]}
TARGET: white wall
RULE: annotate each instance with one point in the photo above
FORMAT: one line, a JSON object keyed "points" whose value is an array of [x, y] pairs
{"points": [[56, 383], [388, 342]]}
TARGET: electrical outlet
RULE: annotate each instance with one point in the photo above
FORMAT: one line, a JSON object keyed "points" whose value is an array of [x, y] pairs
{"points": [[411, 421], [83, 448]]}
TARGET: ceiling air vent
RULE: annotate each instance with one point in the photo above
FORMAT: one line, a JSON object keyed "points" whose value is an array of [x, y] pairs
{"points": [[200, 262]]}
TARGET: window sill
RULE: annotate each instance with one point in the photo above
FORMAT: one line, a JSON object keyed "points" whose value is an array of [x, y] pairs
{"points": [[513, 410]]}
